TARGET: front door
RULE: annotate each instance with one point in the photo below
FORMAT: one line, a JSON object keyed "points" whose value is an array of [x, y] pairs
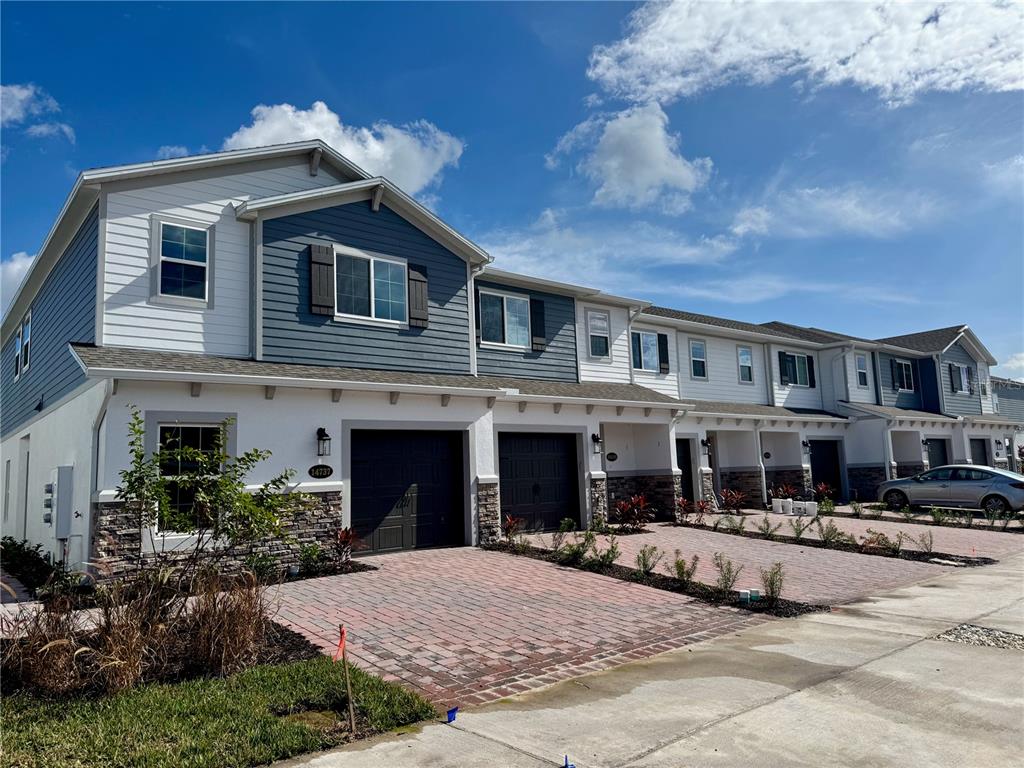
{"points": [[937, 453], [979, 451], [684, 460], [825, 467]]}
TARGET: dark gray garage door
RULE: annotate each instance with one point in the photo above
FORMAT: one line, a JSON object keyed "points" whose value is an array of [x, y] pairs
{"points": [[539, 481], [407, 489], [937, 453]]}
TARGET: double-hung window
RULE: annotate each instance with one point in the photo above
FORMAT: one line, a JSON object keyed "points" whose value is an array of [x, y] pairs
{"points": [[23, 346], [504, 319], [698, 359], [960, 376], [645, 351], [796, 369], [862, 370], [369, 285], [904, 372], [745, 360], [182, 515], [598, 334], [183, 262]]}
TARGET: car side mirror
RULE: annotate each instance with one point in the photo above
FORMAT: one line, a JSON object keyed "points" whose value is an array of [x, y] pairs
{"points": [[918, 479]]}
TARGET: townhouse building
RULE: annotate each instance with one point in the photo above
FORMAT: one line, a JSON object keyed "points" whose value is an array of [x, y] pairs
{"points": [[420, 393]]}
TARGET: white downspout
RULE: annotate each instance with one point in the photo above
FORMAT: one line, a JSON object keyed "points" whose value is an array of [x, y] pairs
{"points": [[758, 424], [887, 450]]}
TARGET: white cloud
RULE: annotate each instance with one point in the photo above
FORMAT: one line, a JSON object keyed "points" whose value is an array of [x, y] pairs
{"points": [[634, 160], [413, 155], [168, 151], [45, 130], [606, 255], [12, 272], [21, 102], [755, 288], [1014, 363], [809, 212], [897, 49], [1007, 176]]}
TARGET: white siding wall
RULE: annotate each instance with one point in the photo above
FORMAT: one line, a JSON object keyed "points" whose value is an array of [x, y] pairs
{"points": [[793, 396], [723, 382], [129, 319], [988, 400], [616, 368], [666, 383], [860, 394]]}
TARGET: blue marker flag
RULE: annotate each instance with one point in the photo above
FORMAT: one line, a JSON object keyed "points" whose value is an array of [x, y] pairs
{"points": [[452, 713], [568, 764]]}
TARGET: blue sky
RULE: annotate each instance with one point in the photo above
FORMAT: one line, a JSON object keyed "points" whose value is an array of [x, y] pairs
{"points": [[857, 167]]}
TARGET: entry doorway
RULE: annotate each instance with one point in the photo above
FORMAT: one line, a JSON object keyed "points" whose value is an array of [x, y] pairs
{"points": [[826, 465], [684, 460], [938, 452]]}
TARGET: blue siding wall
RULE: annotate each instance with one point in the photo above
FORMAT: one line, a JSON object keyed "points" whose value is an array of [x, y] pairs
{"points": [[1011, 400], [890, 396], [292, 334], [63, 310], [959, 403], [556, 363]]}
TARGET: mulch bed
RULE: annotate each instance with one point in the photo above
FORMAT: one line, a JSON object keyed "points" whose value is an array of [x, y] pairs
{"points": [[783, 608], [951, 522]]}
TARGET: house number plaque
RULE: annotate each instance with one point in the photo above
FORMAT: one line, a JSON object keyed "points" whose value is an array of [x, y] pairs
{"points": [[321, 471]]}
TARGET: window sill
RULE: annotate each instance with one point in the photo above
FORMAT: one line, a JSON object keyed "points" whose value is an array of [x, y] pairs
{"points": [[509, 347], [180, 302], [380, 322]]}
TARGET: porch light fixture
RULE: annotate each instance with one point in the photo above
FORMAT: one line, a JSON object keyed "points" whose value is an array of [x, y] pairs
{"points": [[925, 442], [323, 442], [705, 444], [597, 441], [806, 446]]}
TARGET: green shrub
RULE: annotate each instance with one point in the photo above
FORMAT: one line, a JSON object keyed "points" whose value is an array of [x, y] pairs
{"points": [[771, 581], [568, 525], [876, 541], [731, 524], [826, 506], [856, 509], [800, 526], [684, 572], [312, 559], [908, 514], [926, 542], [264, 567], [766, 529], [26, 562], [939, 515], [603, 559], [727, 574], [832, 536], [647, 560]]}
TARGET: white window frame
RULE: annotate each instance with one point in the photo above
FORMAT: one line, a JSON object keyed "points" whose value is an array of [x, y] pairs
{"points": [[372, 257], [704, 359], [657, 358], [740, 348], [591, 313], [796, 369], [178, 535], [156, 294], [17, 354], [505, 296], [857, 358], [26, 341], [910, 369], [965, 379]]}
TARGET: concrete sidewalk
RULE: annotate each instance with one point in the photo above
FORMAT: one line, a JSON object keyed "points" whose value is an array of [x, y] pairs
{"points": [[866, 685]]}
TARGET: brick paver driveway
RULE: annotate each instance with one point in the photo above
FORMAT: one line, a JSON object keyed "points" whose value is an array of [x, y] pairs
{"points": [[811, 574], [464, 626]]}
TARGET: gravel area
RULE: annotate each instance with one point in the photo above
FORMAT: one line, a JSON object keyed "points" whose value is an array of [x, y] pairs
{"points": [[972, 634]]}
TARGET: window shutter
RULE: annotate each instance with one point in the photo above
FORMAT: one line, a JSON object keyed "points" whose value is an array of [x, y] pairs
{"points": [[970, 380], [954, 378], [663, 353], [810, 372], [321, 279], [783, 369], [476, 312], [538, 328], [895, 375], [419, 310]]}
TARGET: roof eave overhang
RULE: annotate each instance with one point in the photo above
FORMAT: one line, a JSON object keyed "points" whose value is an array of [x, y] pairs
{"points": [[768, 416], [720, 330], [556, 286]]}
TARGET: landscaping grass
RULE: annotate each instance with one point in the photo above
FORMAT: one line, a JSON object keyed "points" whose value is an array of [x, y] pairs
{"points": [[265, 713]]}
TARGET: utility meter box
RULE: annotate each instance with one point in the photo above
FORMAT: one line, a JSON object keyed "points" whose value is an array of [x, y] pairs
{"points": [[62, 503]]}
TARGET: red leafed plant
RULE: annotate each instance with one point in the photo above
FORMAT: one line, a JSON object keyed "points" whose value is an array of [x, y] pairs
{"points": [[684, 508], [513, 527], [823, 491], [733, 501], [785, 491], [701, 507], [345, 541], [633, 514]]}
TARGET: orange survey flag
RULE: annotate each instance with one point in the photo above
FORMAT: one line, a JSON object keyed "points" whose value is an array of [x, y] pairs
{"points": [[341, 644]]}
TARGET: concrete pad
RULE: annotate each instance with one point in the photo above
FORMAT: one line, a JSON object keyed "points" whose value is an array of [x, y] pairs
{"points": [[1009, 619], [924, 706], [862, 618], [436, 746]]}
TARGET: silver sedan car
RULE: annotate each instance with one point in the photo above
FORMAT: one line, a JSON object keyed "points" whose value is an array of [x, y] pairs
{"points": [[957, 485]]}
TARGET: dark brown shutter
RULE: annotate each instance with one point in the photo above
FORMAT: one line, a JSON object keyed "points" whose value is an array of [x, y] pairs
{"points": [[538, 328], [321, 279], [810, 372], [970, 380], [419, 310], [663, 353], [476, 310], [954, 378], [895, 375], [783, 369]]}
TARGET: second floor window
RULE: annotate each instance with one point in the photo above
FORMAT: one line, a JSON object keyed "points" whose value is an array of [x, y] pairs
{"points": [[698, 359], [184, 262], [796, 370], [370, 286], [862, 370], [23, 346], [903, 375], [960, 378], [645, 350], [504, 319], [598, 333], [745, 356]]}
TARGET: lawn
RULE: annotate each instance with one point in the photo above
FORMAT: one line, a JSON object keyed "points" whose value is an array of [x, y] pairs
{"points": [[265, 713]]}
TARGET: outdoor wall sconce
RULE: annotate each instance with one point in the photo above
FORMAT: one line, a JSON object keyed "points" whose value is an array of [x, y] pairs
{"points": [[806, 446], [705, 445], [596, 440], [925, 442], [323, 442]]}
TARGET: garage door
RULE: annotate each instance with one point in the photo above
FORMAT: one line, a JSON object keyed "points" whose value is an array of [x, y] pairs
{"points": [[539, 481], [407, 489]]}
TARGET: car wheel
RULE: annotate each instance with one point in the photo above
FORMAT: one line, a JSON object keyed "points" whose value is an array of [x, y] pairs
{"points": [[995, 505], [895, 499]]}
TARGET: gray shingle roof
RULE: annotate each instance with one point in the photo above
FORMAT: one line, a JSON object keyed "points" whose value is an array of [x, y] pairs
{"points": [[115, 358], [816, 335], [925, 341], [753, 409], [721, 322], [891, 412]]}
